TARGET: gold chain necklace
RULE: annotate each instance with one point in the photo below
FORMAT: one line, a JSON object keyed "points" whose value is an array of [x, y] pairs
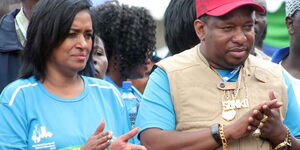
{"points": [[230, 103]]}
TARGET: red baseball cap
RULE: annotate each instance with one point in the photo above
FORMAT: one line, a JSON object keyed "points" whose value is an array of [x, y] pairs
{"points": [[222, 7]]}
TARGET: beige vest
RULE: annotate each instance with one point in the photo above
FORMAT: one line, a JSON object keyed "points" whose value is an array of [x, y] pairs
{"points": [[197, 92]]}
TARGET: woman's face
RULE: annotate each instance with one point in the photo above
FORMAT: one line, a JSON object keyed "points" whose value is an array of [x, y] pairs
{"points": [[99, 58], [72, 54]]}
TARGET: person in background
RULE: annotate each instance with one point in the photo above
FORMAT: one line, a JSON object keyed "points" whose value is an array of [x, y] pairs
{"points": [[7, 5], [99, 58], [179, 25], [128, 34], [260, 31], [277, 36], [140, 84], [289, 58], [13, 27], [53, 106], [201, 99]]}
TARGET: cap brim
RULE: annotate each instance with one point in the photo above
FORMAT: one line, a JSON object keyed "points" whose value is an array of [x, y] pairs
{"points": [[224, 9]]}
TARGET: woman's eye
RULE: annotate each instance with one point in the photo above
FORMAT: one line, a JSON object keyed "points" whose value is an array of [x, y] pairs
{"points": [[72, 35], [88, 36]]}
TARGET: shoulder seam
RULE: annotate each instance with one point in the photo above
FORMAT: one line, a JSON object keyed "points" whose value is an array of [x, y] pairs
{"points": [[12, 99], [108, 87]]}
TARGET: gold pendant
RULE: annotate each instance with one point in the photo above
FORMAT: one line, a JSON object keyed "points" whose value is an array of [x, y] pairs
{"points": [[228, 115]]}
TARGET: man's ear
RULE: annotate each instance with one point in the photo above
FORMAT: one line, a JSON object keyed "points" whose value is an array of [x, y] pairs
{"points": [[199, 27], [289, 25]]}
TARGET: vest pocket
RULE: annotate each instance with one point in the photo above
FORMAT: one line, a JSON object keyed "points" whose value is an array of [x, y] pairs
{"points": [[198, 102]]}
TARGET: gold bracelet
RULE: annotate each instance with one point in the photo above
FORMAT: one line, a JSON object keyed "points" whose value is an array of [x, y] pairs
{"points": [[223, 138], [287, 143]]}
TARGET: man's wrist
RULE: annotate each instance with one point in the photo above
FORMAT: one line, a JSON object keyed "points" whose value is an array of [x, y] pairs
{"points": [[280, 137], [215, 133], [286, 143]]}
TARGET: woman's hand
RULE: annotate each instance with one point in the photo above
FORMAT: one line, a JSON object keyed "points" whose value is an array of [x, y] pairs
{"points": [[121, 143], [99, 140]]}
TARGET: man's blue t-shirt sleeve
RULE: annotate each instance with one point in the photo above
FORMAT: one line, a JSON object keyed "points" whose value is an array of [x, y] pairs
{"points": [[156, 109]]}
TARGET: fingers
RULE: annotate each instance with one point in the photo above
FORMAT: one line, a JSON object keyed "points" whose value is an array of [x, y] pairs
{"points": [[103, 137], [129, 135], [273, 104], [103, 140], [103, 146], [254, 120], [272, 95], [267, 110], [137, 147], [100, 128]]}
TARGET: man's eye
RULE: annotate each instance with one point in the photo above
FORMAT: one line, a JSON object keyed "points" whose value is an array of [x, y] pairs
{"points": [[248, 27], [227, 28]]}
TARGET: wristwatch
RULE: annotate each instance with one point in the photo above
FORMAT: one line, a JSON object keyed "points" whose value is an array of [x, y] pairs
{"points": [[283, 146], [286, 144]]}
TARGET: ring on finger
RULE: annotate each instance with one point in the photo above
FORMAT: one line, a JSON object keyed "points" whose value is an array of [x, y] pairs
{"points": [[264, 119], [261, 124], [256, 133]]}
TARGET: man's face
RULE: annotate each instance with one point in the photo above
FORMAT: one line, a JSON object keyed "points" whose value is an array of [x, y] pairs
{"points": [[260, 25], [296, 24], [227, 40]]}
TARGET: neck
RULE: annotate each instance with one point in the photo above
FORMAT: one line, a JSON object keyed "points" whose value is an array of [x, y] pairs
{"points": [[63, 84], [27, 6], [114, 72], [209, 61], [291, 63]]}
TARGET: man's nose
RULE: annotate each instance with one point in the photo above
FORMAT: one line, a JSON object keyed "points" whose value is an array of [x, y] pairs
{"points": [[239, 36]]}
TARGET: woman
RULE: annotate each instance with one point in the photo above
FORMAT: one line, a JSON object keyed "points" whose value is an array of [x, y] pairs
{"points": [[99, 58], [128, 34], [52, 106]]}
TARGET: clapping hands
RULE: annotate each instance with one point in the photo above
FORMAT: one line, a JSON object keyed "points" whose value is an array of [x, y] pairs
{"points": [[101, 140]]}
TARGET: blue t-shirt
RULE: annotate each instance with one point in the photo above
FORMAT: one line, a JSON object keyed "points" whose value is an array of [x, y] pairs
{"points": [[157, 110], [33, 118], [293, 110]]}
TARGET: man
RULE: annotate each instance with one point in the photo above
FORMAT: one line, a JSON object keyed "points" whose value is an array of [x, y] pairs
{"points": [[8, 5], [203, 98], [13, 27], [260, 31], [289, 59]]}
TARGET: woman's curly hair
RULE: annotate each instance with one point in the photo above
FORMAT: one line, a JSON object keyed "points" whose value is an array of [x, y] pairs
{"points": [[128, 33]]}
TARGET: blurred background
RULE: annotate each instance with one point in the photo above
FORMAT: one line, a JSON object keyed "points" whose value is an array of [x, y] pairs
{"points": [[276, 37]]}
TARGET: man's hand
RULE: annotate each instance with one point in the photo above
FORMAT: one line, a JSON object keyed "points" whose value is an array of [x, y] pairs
{"points": [[271, 127]]}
